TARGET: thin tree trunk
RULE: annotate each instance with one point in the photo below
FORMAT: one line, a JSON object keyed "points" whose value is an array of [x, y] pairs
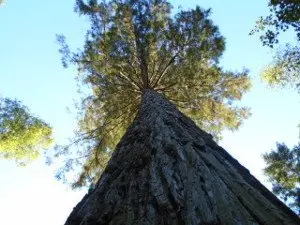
{"points": [[165, 170]]}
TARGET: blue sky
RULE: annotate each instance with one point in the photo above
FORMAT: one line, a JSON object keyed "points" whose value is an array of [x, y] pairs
{"points": [[30, 70]]}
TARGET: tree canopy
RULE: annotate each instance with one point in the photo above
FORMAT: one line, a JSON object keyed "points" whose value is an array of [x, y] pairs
{"points": [[137, 45], [22, 135], [283, 170], [285, 68]]}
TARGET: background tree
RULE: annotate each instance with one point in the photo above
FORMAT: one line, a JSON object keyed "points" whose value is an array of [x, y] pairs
{"points": [[283, 170], [283, 164], [22, 135], [284, 15], [133, 46]]}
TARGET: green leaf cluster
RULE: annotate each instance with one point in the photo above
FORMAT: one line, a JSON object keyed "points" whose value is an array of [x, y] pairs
{"points": [[283, 170], [22, 136], [284, 14], [136, 45]]}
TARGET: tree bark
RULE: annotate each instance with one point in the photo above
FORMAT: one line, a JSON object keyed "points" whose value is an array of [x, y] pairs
{"points": [[165, 170]]}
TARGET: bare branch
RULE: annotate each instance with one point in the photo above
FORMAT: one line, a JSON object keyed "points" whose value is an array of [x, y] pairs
{"points": [[165, 69]]}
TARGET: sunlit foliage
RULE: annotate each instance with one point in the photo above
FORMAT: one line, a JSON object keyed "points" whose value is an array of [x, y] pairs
{"points": [[283, 170], [22, 136], [137, 45], [284, 70]]}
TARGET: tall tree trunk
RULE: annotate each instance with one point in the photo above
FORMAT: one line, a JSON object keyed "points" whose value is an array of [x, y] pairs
{"points": [[165, 170]]}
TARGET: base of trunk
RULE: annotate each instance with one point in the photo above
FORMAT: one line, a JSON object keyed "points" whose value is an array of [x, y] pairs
{"points": [[165, 170]]}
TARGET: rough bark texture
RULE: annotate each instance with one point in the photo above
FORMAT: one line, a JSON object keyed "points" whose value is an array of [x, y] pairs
{"points": [[165, 170]]}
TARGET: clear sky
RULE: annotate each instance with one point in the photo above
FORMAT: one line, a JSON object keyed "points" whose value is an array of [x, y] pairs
{"points": [[30, 70]]}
